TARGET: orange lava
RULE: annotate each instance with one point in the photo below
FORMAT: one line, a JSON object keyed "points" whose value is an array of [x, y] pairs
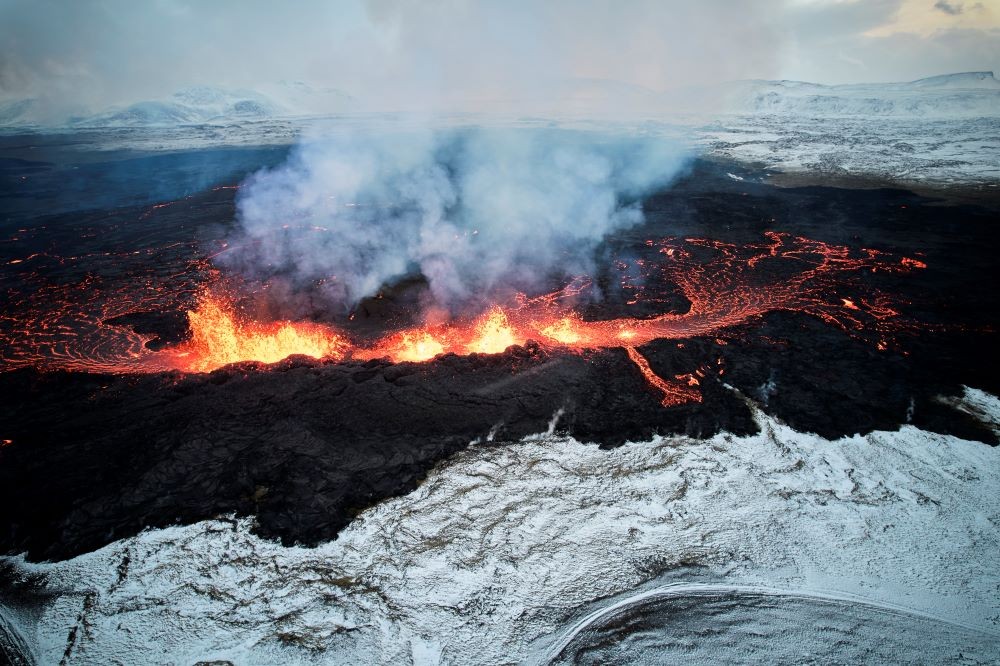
{"points": [[563, 331], [493, 333], [412, 346], [681, 393], [912, 263], [64, 326], [219, 337]]}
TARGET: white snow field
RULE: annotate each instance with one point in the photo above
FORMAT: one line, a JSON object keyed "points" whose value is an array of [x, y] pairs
{"points": [[776, 547], [943, 130]]}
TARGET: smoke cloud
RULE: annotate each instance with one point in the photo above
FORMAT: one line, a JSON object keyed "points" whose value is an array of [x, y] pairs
{"points": [[385, 55], [479, 213]]}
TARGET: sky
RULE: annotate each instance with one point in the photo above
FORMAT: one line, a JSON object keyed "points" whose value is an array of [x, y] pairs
{"points": [[395, 54]]}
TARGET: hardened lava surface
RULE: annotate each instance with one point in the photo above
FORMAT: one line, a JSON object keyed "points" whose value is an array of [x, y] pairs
{"points": [[838, 311]]}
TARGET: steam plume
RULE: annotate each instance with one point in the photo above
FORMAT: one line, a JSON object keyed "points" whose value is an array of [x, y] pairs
{"points": [[477, 212]]}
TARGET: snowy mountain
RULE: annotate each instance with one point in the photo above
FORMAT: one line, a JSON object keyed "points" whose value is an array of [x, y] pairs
{"points": [[190, 106], [963, 95], [202, 104], [969, 94], [941, 130]]}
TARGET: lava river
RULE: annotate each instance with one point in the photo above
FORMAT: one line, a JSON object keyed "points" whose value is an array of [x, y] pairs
{"points": [[69, 326]]}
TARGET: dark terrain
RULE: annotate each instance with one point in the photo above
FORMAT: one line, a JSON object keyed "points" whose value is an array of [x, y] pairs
{"points": [[304, 445]]}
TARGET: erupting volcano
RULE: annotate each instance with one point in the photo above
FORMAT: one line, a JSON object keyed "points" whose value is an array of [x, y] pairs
{"points": [[150, 380], [723, 284], [470, 332]]}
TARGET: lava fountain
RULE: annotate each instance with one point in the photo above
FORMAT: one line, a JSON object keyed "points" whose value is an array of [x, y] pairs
{"points": [[219, 337]]}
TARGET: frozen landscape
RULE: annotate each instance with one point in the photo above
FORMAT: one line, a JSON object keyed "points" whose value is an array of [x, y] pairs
{"points": [[940, 130]]}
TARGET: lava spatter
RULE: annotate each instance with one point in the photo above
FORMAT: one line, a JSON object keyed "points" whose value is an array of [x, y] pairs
{"points": [[220, 337]]}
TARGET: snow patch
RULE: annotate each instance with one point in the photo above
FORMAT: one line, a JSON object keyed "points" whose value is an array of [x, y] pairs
{"points": [[503, 548]]}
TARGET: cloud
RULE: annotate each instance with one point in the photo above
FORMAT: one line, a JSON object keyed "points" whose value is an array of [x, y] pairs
{"points": [[898, 40], [950, 8], [388, 54], [465, 54]]}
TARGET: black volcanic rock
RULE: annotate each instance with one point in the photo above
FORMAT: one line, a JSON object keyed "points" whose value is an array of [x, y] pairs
{"points": [[304, 445], [166, 327]]}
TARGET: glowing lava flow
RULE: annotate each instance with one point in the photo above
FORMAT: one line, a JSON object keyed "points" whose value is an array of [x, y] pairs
{"points": [[493, 334], [219, 337], [725, 284], [673, 394]]}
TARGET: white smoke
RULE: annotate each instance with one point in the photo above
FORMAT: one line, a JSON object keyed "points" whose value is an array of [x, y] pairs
{"points": [[479, 213]]}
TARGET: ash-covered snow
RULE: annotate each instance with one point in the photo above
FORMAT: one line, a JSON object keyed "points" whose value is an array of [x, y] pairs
{"points": [[508, 553]]}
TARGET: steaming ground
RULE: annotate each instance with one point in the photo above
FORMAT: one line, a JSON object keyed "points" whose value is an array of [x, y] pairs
{"points": [[775, 546], [477, 212]]}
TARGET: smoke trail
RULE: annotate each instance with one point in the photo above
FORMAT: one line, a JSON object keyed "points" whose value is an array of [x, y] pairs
{"points": [[479, 213]]}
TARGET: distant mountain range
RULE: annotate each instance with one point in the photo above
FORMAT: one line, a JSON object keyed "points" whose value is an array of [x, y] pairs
{"points": [[190, 106], [968, 94]]}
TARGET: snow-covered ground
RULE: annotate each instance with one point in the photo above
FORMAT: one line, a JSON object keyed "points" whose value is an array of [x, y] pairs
{"points": [[968, 94], [943, 130], [939, 131], [887, 544], [906, 151], [194, 106]]}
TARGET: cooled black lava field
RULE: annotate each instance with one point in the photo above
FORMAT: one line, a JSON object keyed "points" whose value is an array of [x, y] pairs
{"points": [[305, 444]]}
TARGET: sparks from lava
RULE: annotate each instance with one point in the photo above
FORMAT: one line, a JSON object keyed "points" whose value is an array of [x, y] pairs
{"points": [[726, 285]]}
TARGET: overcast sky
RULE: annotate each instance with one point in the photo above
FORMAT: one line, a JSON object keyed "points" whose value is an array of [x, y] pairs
{"points": [[390, 52]]}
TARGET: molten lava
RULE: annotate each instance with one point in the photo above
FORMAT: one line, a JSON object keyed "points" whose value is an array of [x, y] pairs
{"points": [[219, 337], [681, 393], [67, 325], [563, 331], [493, 334], [413, 346]]}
